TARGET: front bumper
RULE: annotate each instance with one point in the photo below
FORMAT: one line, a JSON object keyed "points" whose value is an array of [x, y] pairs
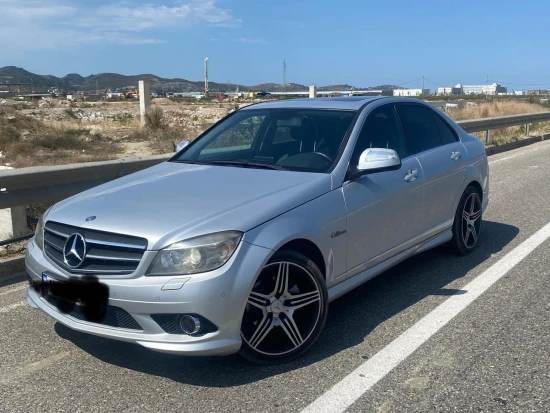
{"points": [[219, 296]]}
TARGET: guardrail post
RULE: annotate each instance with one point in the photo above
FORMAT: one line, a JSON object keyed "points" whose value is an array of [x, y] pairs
{"points": [[488, 136], [19, 221], [144, 99], [527, 129]]}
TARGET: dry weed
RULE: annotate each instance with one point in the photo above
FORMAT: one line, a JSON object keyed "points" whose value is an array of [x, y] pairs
{"points": [[503, 108]]}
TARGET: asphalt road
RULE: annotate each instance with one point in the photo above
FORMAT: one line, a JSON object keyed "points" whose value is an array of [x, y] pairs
{"points": [[493, 356]]}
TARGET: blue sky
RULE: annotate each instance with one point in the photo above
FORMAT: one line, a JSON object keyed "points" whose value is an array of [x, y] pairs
{"points": [[359, 42]]}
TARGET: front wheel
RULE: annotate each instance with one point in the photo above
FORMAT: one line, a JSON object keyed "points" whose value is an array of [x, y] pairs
{"points": [[286, 310], [467, 223]]}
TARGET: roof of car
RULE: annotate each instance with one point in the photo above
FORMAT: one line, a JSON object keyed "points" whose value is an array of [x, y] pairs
{"points": [[349, 103]]}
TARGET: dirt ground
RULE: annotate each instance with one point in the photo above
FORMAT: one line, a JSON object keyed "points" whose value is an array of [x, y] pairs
{"points": [[56, 131]]}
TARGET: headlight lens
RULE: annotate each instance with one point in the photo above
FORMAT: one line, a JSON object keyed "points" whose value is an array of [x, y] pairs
{"points": [[39, 232], [200, 254]]}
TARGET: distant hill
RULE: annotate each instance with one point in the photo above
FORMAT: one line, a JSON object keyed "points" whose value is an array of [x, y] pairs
{"points": [[74, 82]]}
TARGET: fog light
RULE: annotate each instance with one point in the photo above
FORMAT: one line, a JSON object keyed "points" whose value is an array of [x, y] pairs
{"points": [[190, 324]]}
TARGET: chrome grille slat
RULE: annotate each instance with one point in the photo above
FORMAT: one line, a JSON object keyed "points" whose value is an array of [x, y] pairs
{"points": [[53, 245], [109, 253], [99, 257], [57, 233], [115, 244]]}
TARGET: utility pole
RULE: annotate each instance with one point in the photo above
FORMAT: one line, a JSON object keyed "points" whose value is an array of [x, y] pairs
{"points": [[96, 89], [422, 84], [206, 76], [487, 88], [284, 74]]}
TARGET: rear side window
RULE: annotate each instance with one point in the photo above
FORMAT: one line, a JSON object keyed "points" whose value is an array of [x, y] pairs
{"points": [[420, 128], [447, 135]]}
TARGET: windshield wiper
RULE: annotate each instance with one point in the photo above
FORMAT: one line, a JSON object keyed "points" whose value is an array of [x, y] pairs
{"points": [[246, 164], [190, 161]]}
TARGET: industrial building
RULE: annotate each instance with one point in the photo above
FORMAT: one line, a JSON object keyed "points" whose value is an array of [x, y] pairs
{"points": [[459, 89], [492, 89], [451, 90], [411, 92]]}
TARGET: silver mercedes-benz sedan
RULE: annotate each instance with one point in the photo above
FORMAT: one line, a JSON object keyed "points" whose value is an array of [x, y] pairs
{"points": [[239, 242]]}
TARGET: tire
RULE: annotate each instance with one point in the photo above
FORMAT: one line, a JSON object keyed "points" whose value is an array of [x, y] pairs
{"points": [[467, 222], [282, 320]]}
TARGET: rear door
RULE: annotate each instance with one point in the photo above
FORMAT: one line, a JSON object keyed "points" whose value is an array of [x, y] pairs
{"points": [[442, 158]]}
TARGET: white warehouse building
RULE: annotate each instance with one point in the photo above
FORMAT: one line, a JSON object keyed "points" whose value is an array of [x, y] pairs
{"points": [[411, 92], [459, 89], [493, 89]]}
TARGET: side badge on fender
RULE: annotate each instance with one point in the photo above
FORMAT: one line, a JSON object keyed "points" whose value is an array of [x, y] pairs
{"points": [[337, 233]]}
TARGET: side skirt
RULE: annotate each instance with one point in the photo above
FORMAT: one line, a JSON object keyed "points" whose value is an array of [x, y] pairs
{"points": [[349, 284]]}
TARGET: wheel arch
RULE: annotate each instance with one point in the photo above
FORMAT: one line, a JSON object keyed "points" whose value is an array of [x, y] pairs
{"points": [[477, 186], [309, 249]]}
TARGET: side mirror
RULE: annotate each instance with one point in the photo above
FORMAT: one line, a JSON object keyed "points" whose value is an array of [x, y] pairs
{"points": [[378, 160], [182, 145]]}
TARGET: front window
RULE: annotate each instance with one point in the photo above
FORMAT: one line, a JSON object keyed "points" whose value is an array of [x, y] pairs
{"points": [[290, 139]]}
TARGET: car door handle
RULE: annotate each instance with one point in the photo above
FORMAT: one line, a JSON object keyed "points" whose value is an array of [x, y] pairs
{"points": [[455, 156], [411, 175]]}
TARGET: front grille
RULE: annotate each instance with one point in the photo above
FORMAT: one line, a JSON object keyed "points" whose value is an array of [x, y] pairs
{"points": [[115, 316], [106, 253]]}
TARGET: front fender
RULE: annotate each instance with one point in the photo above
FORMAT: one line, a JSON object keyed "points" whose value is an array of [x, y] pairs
{"points": [[321, 221]]}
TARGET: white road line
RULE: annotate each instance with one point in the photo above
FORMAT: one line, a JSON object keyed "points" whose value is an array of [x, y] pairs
{"points": [[21, 287], [10, 307], [355, 384]]}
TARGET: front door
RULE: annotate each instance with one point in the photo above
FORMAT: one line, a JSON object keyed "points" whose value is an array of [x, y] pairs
{"points": [[384, 209]]}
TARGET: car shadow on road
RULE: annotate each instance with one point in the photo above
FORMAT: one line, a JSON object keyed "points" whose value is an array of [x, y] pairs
{"points": [[350, 320]]}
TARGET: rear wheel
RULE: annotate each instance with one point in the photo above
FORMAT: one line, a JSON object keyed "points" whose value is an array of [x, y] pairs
{"points": [[467, 223], [286, 310]]}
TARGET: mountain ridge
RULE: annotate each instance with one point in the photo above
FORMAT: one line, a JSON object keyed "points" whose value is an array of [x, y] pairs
{"points": [[73, 82]]}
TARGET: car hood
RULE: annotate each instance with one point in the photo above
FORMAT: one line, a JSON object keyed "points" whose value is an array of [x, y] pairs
{"points": [[174, 201]]}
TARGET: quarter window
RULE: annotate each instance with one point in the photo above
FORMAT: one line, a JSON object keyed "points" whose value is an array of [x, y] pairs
{"points": [[420, 127], [447, 135]]}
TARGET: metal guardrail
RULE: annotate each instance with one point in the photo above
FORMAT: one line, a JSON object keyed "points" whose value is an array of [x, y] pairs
{"points": [[486, 124], [51, 183], [16, 239]]}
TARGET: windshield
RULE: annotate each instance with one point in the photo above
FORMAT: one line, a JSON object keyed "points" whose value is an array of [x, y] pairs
{"points": [[290, 139]]}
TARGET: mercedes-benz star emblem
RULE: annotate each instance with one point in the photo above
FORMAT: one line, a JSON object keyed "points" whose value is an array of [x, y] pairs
{"points": [[74, 250]]}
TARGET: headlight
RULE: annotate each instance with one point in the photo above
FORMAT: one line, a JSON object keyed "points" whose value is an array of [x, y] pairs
{"points": [[39, 232], [199, 254]]}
